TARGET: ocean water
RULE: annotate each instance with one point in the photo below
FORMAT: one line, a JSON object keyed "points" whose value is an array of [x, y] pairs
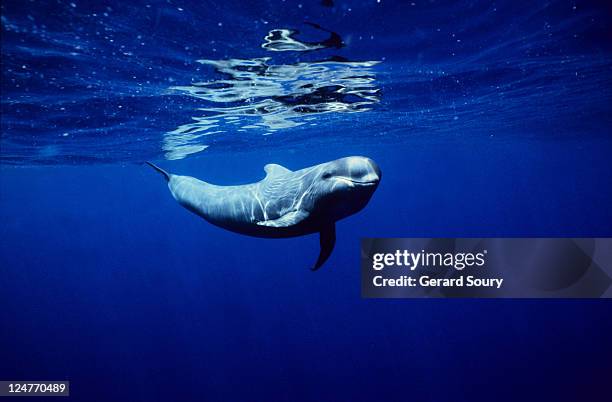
{"points": [[486, 118]]}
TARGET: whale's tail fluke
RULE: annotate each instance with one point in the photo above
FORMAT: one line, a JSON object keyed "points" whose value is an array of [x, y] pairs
{"points": [[160, 170]]}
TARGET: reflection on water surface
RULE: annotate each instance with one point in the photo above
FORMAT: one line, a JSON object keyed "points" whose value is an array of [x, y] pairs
{"points": [[258, 94]]}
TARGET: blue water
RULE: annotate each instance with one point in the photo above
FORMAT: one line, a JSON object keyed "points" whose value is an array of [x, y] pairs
{"points": [[487, 119]]}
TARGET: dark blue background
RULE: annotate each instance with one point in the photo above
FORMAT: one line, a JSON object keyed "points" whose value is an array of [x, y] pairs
{"points": [[106, 282], [110, 284]]}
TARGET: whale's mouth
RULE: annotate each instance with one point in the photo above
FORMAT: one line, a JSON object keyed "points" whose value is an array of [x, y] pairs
{"points": [[352, 182]]}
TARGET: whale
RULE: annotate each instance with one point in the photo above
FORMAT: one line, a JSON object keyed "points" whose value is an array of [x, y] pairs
{"points": [[284, 203]]}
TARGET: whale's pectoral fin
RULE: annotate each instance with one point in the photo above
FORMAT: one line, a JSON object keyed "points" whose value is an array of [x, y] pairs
{"points": [[273, 169], [327, 239], [289, 219]]}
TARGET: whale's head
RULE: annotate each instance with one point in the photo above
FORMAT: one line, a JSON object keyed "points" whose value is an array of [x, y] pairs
{"points": [[345, 186]]}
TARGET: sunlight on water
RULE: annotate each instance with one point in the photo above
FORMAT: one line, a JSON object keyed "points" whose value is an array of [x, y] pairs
{"points": [[259, 95]]}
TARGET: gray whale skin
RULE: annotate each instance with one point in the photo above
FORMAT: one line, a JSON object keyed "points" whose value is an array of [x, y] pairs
{"points": [[285, 203]]}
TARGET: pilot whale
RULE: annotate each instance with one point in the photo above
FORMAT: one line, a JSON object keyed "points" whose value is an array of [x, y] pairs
{"points": [[285, 203]]}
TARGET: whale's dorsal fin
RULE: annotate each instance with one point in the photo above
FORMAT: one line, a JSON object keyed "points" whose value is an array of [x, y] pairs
{"points": [[272, 169], [289, 219]]}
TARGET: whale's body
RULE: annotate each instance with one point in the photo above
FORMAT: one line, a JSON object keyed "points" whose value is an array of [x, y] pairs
{"points": [[285, 203]]}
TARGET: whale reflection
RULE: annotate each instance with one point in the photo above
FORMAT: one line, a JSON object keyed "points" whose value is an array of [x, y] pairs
{"points": [[257, 95]]}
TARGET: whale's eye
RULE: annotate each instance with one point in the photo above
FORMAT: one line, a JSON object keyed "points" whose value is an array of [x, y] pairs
{"points": [[326, 175]]}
